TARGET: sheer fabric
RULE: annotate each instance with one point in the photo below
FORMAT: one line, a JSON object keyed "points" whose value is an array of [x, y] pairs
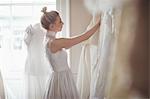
{"points": [[36, 63], [37, 67]]}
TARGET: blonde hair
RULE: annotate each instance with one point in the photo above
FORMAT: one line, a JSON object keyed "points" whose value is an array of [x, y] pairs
{"points": [[48, 18]]}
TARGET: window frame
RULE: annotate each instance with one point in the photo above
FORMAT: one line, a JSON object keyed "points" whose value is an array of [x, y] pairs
{"points": [[63, 6]]}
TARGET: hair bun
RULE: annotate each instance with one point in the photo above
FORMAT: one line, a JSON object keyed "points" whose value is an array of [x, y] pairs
{"points": [[44, 10]]}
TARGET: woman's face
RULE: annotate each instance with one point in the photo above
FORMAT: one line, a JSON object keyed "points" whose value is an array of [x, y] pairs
{"points": [[57, 26]]}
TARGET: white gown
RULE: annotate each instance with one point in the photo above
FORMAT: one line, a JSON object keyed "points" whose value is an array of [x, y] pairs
{"points": [[96, 59], [36, 67], [61, 84]]}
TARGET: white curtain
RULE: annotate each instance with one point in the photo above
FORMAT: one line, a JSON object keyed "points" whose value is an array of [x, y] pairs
{"points": [[37, 67]]}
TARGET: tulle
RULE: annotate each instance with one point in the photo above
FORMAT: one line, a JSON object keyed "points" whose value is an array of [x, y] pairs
{"points": [[95, 6], [36, 62], [37, 69]]}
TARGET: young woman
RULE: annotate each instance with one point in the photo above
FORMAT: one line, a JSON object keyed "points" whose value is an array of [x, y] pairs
{"points": [[61, 84]]}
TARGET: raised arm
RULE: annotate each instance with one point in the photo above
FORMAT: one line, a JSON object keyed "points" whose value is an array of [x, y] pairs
{"points": [[69, 42]]}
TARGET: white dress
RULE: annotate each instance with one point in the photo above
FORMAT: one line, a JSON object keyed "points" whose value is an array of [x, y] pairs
{"points": [[61, 84], [96, 60], [36, 67]]}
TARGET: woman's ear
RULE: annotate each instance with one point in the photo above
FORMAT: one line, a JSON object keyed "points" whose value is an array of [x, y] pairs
{"points": [[51, 26]]}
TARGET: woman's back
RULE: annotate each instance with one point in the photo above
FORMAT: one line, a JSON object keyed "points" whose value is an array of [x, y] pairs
{"points": [[58, 60]]}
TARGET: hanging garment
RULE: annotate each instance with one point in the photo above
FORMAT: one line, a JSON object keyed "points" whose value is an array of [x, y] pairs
{"points": [[103, 51], [119, 64], [98, 71], [104, 57], [36, 63], [87, 60], [61, 83], [93, 71], [36, 67]]}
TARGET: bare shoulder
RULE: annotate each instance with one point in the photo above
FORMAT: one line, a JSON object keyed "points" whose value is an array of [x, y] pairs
{"points": [[56, 45], [57, 41]]}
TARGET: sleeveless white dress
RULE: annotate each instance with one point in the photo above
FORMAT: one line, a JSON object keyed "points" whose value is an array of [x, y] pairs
{"points": [[61, 84]]}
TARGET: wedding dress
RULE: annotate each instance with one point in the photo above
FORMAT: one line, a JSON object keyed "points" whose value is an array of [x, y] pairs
{"points": [[61, 83], [96, 58], [100, 75], [36, 67]]}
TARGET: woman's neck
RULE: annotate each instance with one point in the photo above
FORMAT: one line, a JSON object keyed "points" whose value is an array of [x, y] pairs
{"points": [[51, 34]]}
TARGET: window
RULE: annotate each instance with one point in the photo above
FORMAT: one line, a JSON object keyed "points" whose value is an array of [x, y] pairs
{"points": [[15, 16]]}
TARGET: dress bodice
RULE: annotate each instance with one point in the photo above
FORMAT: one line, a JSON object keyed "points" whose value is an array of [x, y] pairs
{"points": [[57, 60], [61, 82]]}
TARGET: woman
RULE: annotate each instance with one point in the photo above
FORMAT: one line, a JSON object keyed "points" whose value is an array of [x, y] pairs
{"points": [[61, 84]]}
